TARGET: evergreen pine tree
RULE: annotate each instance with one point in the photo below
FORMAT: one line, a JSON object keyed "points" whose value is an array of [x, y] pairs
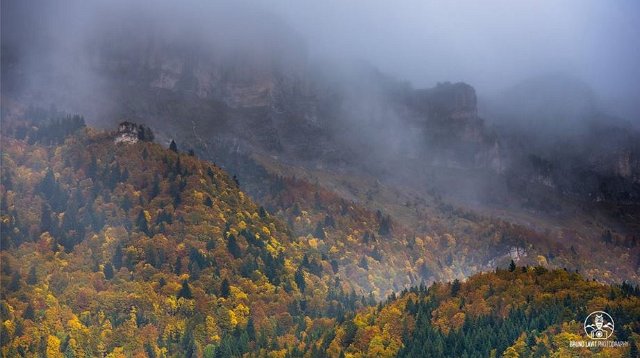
{"points": [[455, 287], [319, 232], [185, 291], [225, 288], [117, 257], [385, 225], [251, 329], [29, 312], [46, 221], [32, 278], [233, 247], [299, 278], [141, 223], [155, 188], [108, 271]]}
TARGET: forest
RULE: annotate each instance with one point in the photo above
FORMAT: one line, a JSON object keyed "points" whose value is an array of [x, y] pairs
{"points": [[134, 250]]}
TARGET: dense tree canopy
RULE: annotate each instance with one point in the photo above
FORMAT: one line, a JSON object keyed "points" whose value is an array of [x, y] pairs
{"points": [[130, 249]]}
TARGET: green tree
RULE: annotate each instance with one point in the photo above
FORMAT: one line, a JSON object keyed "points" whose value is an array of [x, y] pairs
{"points": [[141, 223], [385, 225], [46, 221], [117, 257], [32, 277], [29, 312], [251, 329], [299, 278], [319, 232], [455, 287], [185, 290], [225, 288], [233, 247], [108, 271]]}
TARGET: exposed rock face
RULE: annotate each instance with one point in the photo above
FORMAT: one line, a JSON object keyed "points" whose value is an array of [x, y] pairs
{"points": [[455, 101], [450, 108], [235, 85], [517, 253], [130, 133], [127, 133], [455, 134], [628, 166]]}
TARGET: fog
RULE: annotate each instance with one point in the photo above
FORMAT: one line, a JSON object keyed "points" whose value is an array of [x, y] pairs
{"points": [[336, 73], [347, 83], [490, 44]]}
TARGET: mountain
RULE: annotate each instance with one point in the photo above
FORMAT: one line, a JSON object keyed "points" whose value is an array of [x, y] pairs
{"points": [[423, 158], [560, 137], [233, 194], [115, 245], [123, 247], [521, 312], [548, 133]]}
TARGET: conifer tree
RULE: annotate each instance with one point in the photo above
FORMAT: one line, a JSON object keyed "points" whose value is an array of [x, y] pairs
{"points": [[141, 223], [32, 278], [108, 271], [319, 232], [46, 221], [225, 288], [455, 287], [117, 257], [299, 278], [233, 247], [185, 290]]}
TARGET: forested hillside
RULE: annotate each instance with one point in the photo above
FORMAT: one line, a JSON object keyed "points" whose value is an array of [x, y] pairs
{"points": [[519, 312], [408, 237], [115, 246], [133, 249]]}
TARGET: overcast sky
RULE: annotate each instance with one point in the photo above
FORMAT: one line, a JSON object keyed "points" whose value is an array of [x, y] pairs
{"points": [[490, 44]]}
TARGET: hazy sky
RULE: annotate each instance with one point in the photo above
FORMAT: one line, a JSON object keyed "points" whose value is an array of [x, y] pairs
{"points": [[490, 43]]}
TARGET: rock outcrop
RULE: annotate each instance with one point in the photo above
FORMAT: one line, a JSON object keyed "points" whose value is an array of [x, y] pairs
{"points": [[453, 101], [130, 133], [127, 133]]}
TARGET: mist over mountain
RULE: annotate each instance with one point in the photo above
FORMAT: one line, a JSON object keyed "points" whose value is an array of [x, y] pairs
{"points": [[243, 75], [421, 42], [302, 179]]}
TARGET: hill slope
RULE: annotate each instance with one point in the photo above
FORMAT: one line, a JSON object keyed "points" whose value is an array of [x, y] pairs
{"points": [[527, 312], [113, 245], [129, 247]]}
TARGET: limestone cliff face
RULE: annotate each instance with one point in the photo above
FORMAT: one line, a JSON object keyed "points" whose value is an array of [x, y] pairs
{"points": [[448, 114], [457, 101], [628, 166], [453, 107], [238, 86]]}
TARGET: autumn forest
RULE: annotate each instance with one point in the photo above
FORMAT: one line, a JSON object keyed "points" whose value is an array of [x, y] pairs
{"points": [[311, 179]]}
